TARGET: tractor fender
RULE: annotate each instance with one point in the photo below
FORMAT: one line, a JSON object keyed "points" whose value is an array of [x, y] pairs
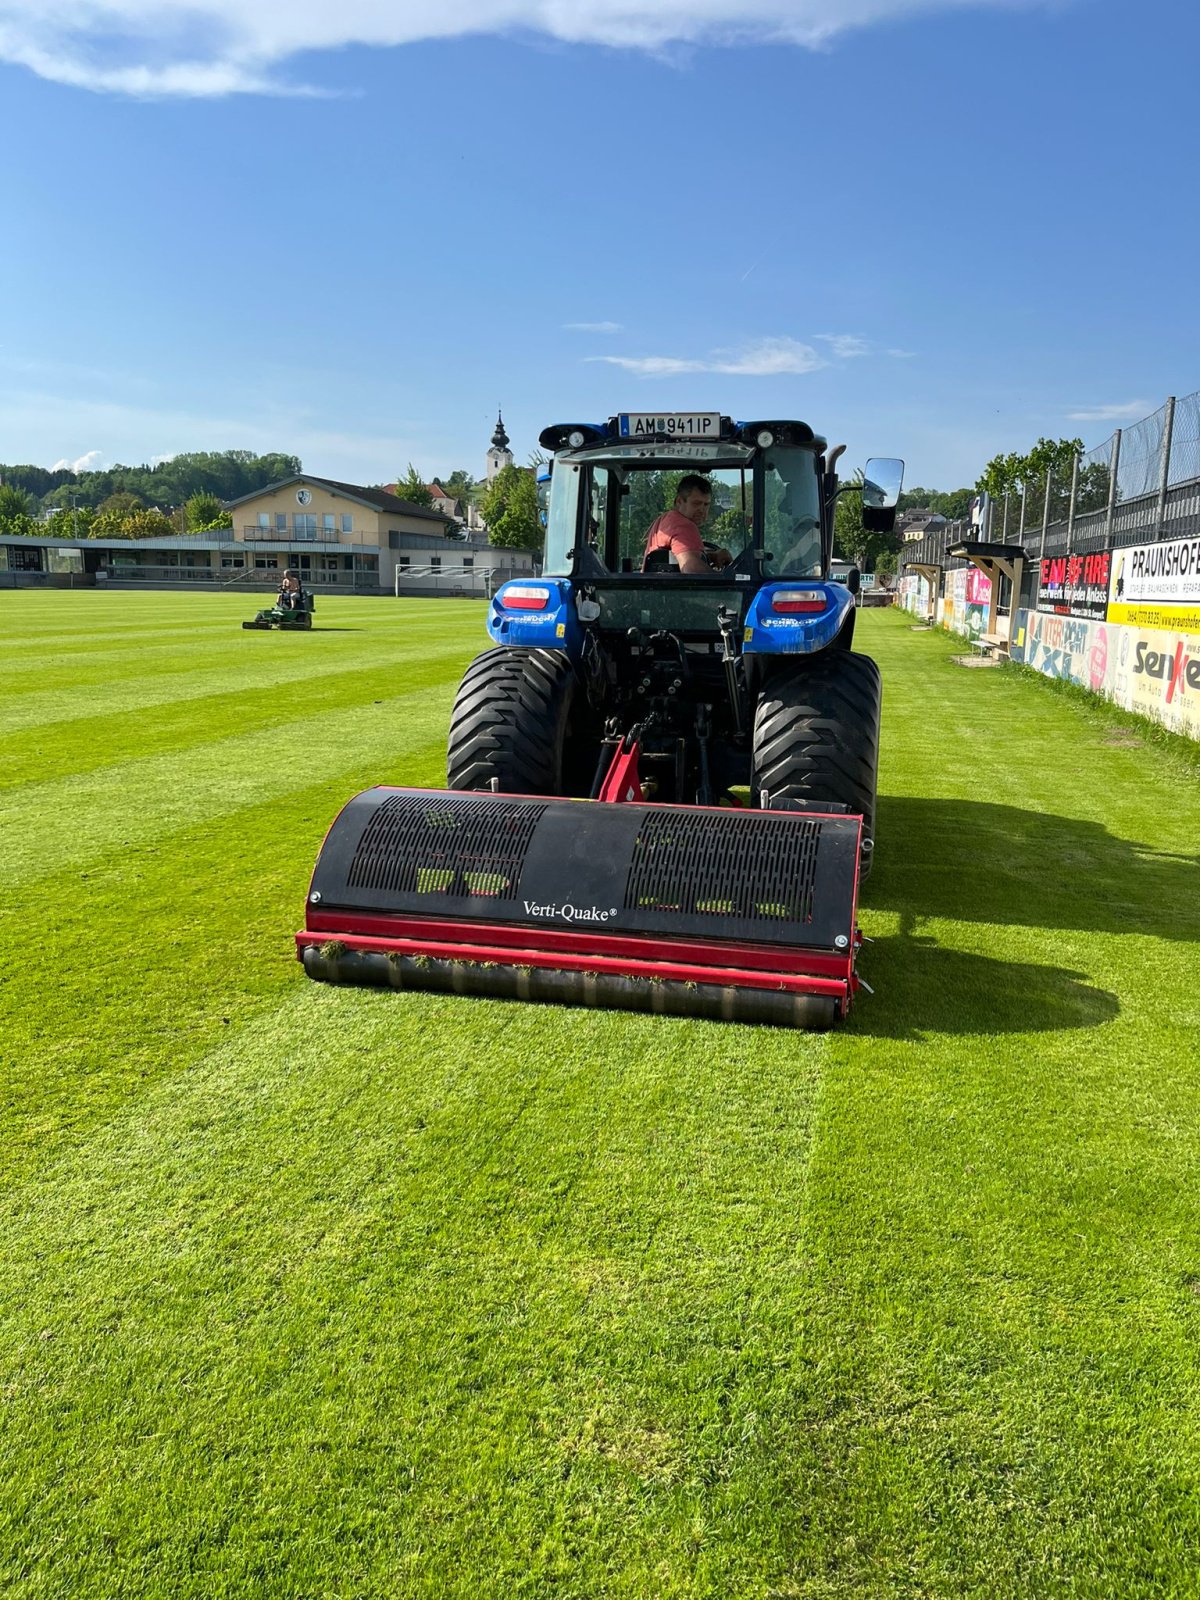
{"points": [[796, 617], [536, 614]]}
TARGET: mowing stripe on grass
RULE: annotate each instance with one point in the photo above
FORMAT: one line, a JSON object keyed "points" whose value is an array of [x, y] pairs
{"points": [[70, 749], [147, 798], [421, 1298], [1003, 1221], [142, 694]]}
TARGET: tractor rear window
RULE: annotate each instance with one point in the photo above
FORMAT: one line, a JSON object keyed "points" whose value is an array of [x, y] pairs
{"points": [[622, 505], [601, 513]]}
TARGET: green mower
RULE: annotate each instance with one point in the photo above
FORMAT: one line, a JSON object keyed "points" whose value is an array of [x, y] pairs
{"points": [[292, 609]]}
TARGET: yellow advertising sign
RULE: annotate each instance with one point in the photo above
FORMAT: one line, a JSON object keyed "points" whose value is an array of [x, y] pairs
{"points": [[1171, 619]]}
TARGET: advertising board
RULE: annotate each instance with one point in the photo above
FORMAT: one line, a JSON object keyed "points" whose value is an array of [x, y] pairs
{"points": [[1075, 586], [966, 597], [1151, 671], [1157, 585]]}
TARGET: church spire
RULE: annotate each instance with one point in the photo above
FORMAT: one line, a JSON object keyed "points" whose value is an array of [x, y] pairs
{"points": [[499, 455]]}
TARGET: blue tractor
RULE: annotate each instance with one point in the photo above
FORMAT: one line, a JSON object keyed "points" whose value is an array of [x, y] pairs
{"points": [[741, 677], [710, 689]]}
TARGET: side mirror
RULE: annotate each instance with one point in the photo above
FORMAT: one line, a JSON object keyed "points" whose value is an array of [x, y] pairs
{"points": [[854, 579], [878, 520], [882, 480]]}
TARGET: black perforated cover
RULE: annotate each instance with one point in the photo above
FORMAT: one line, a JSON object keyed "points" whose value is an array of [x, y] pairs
{"points": [[679, 871]]}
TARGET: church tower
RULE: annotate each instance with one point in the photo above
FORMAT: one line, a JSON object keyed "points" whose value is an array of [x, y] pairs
{"points": [[499, 455]]}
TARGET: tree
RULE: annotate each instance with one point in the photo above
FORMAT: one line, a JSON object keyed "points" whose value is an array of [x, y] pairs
{"points": [[140, 522], [15, 520], [203, 512], [412, 488], [14, 502], [1015, 475], [511, 511], [954, 506], [70, 522], [121, 503], [148, 522]]}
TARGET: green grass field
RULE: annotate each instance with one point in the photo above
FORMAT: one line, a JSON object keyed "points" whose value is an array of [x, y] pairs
{"points": [[319, 1293]]}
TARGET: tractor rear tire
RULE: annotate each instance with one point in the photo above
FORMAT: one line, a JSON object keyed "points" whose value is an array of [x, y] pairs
{"points": [[512, 723], [816, 737]]}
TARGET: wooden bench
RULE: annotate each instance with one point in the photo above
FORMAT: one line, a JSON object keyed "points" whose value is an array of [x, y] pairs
{"points": [[990, 644]]}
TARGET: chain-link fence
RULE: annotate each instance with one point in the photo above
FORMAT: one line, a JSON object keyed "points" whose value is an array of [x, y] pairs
{"points": [[1141, 485]]}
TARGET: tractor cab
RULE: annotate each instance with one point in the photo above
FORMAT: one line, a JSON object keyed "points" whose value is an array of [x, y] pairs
{"points": [[610, 484], [773, 491]]}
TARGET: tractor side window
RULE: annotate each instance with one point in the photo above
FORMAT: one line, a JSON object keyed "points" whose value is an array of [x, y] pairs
{"points": [[595, 522], [792, 514], [560, 524]]}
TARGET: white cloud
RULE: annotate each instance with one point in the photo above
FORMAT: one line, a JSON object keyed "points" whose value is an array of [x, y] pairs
{"points": [[208, 48], [766, 359], [93, 461], [902, 355], [844, 345], [592, 327], [1132, 410]]}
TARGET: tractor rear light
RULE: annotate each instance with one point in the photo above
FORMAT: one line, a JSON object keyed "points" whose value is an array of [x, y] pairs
{"points": [[803, 600], [524, 597]]}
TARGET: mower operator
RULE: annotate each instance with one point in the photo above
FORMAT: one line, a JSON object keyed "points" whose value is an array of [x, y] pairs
{"points": [[291, 594], [678, 531]]}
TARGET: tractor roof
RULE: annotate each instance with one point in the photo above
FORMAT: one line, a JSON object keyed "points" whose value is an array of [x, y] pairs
{"points": [[676, 428]]}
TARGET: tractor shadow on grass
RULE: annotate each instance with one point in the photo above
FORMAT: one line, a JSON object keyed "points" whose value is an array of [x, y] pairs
{"points": [[923, 988], [975, 862]]}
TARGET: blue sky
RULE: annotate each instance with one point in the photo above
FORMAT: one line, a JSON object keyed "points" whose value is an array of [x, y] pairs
{"points": [[930, 231]]}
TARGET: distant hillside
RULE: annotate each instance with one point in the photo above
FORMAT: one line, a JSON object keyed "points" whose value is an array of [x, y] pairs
{"points": [[225, 473]]}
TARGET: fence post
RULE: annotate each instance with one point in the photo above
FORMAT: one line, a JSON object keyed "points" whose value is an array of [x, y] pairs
{"points": [[1165, 473], [1046, 513], [1071, 506], [1114, 466], [1021, 526], [1004, 528]]}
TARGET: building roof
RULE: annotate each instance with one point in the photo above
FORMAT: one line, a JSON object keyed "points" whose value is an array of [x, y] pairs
{"points": [[499, 438], [378, 498]]}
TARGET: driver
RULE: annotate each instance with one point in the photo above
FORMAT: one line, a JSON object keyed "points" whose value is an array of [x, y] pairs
{"points": [[678, 531], [291, 594]]}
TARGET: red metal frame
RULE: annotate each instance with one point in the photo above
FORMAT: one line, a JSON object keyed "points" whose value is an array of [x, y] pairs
{"points": [[842, 987], [552, 943]]}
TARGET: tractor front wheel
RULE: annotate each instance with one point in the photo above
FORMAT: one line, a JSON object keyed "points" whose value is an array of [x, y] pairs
{"points": [[512, 723], [816, 737]]}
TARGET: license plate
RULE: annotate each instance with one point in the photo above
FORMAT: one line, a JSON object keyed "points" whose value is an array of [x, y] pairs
{"points": [[674, 424]]}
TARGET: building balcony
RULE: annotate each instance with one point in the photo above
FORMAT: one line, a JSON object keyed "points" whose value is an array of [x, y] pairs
{"points": [[289, 535]]}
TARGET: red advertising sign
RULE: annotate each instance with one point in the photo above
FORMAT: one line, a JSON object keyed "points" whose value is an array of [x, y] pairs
{"points": [[1075, 586]]}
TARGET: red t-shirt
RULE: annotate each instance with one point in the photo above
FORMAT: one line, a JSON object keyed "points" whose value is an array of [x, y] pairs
{"points": [[675, 533]]}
